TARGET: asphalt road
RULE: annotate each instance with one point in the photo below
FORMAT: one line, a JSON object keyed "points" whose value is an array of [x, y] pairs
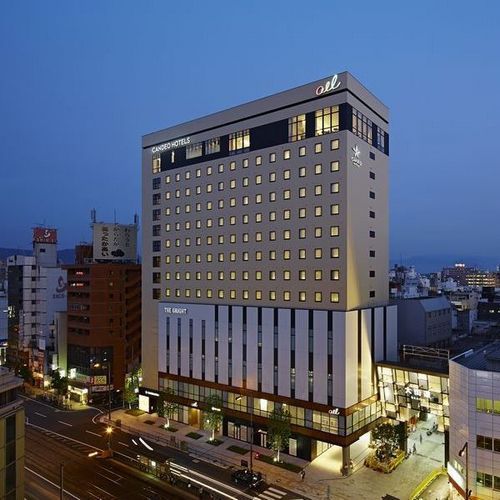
{"points": [[77, 432]]}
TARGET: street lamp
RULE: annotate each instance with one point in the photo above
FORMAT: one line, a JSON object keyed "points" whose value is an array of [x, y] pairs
{"points": [[251, 432], [465, 450], [109, 431]]}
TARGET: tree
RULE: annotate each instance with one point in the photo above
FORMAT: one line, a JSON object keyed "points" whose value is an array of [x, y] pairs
{"points": [[279, 429], [60, 384], [165, 406], [132, 387], [26, 374], [213, 414], [386, 439]]}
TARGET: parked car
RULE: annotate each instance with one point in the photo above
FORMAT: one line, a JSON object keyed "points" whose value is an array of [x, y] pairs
{"points": [[247, 478]]}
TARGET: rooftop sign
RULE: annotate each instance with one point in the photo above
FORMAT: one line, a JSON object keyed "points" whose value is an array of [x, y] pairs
{"points": [[332, 84], [166, 146]]}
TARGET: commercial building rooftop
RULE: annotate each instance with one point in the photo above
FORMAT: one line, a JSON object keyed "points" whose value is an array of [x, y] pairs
{"points": [[486, 358]]}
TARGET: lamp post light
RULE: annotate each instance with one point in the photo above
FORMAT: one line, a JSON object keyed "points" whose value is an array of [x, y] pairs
{"points": [[465, 450], [251, 433], [109, 431]]}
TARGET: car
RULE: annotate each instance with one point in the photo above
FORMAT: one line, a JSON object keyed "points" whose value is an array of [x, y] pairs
{"points": [[247, 478]]}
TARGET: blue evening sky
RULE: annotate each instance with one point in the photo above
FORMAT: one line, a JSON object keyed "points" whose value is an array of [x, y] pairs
{"points": [[81, 82]]}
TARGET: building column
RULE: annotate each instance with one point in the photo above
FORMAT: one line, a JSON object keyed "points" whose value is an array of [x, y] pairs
{"points": [[346, 459]]}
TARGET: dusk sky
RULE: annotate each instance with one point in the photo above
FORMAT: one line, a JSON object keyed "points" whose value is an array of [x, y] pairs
{"points": [[81, 82]]}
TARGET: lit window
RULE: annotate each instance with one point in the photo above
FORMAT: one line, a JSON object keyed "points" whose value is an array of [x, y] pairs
{"points": [[318, 211], [221, 294], [318, 232], [167, 179], [258, 275], [318, 297], [334, 297], [302, 253], [258, 255], [272, 235], [232, 275], [302, 213], [232, 294], [272, 216], [258, 179], [302, 233], [239, 141], [245, 294], [317, 190], [318, 253], [245, 219], [334, 252], [194, 150], [286, 214], [258, 236], [318, 274], [318, 168], [297, 128], [318, 147], [245, 275], [302, 171], [327, 120], [244, 256], [334, 144], [258, 217], [286, 154], [286, 296], [209, 170], [209, 188], [258, 160], [334, 166], [212, 146], [334, 209], [334, 230], [272, 196], [302, 275], [272, 295], [245, 163], [272, 157], [157, 164], [286, 234], [334, 187], [286, 174], [286, 254], [272, 275], [272, 254], [286, 275], [286, 194], [209, 293], [302, 296], [258, 198], [245, 237], [272, 176], [334, 274], [221, 168], [302, 192], [245, 200], [232, 165], [302, 151], [232, 202], [245, 181], [258, 294]]}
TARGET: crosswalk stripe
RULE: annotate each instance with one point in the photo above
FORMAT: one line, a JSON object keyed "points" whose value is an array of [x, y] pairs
{"points": [[273, 495], [276, 491], [265, 497]]}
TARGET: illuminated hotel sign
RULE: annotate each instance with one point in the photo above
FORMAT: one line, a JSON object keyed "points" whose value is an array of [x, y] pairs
{"points": [[176, 310], [334, 411], [166, 146], [329, 85], [356, 160]]}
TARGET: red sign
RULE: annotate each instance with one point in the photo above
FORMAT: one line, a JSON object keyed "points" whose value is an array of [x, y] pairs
{"points": [[43, 235]]}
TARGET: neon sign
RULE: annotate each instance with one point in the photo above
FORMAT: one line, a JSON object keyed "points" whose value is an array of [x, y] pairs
{"points": [[329, 85]]}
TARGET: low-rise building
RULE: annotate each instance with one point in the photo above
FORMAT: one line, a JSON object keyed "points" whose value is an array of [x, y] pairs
{"points": [[424, 321]]}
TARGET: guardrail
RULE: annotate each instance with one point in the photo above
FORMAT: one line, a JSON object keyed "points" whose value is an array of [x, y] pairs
{"points": [[426, 482]]}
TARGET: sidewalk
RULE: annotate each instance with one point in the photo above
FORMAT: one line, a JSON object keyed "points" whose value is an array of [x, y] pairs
{"points": [[322, 480], [48, 397]]}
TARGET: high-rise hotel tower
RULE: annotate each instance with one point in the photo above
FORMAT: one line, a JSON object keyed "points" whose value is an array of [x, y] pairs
{"points": [[265, 263]]}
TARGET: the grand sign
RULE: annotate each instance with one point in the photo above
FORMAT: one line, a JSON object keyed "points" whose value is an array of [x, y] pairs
{"points": [[166, 146], [330, 85]]}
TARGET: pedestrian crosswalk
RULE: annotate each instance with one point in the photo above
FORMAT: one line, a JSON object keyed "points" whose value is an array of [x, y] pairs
{"points": [[271, 494]]}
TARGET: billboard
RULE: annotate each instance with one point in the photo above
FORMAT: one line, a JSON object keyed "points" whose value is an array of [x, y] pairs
{"points": [[114, 242], [44, 235]]}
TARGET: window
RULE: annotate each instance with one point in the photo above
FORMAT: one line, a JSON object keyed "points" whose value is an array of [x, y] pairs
{"points": [[372, 234], [381, 139], [211, 146], [156, 183], [318, 147], [334, 252], [372, 274], [334, 274], [372, 175], [334, 209], [318, 168], [334, 231], [372, 294], [334, 166], [318, 211], [372, 195], [286, 174], [194, 150], [372, 253], [334, 297], [361, 126], [156, 214], [156, 164], [484, 442], [258, 160], [297, 128], [483, 479], [318, 232], [286, 154], [239, 141], [318, 274], [334, 144], [318, 190], [318, 297], [272, 157], [334, 187], [302, 171], [302, 296], [318, 253], [327, 120], [372, 214], [302, 151]]}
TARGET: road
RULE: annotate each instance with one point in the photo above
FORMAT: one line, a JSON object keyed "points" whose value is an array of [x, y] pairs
{"points": [[79, 432]]}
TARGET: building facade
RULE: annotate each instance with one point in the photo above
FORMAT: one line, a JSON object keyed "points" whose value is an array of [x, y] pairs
{"points": [[103, 327], [265, 262], [36, 291], [11, 437], [475, 422]]}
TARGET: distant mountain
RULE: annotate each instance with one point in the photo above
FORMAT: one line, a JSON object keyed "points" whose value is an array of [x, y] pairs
{"points": [[65, 256], [434, 263]]}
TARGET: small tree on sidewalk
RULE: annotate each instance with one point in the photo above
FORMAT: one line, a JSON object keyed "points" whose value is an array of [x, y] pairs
{"points": [[166, 407], [213, 414], [132, 387], [279, 430], [59, 384], [386, 439]]}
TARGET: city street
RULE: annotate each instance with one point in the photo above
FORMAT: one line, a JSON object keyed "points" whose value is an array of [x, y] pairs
{"points": [[73, 435]]}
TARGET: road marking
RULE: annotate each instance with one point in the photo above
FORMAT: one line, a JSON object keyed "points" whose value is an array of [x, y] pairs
{"points": [[111, 472], [107, 492], [271, 494], [134, 441], [93, 433], [123, 444], [65, 423], [276, 491], [50, 482], [40, 414], [95, 496], [145, 444], [108, 478], [51, 433], [265, 497]]}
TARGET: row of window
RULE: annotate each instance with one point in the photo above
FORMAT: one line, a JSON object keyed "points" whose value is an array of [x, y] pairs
{"points": [[488, 443], [488, 405], [245, 275], [245, 294], [488, 480]]}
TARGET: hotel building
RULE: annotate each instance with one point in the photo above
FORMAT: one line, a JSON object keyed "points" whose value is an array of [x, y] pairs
{"points": [[265, 263]]}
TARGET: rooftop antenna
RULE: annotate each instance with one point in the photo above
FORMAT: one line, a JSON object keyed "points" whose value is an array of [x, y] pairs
{"points": [[93, 215]]}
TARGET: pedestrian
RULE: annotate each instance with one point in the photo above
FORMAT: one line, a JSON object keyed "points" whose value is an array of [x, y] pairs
{"points": [[302, 474], [420, 438], [414, 448]]}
